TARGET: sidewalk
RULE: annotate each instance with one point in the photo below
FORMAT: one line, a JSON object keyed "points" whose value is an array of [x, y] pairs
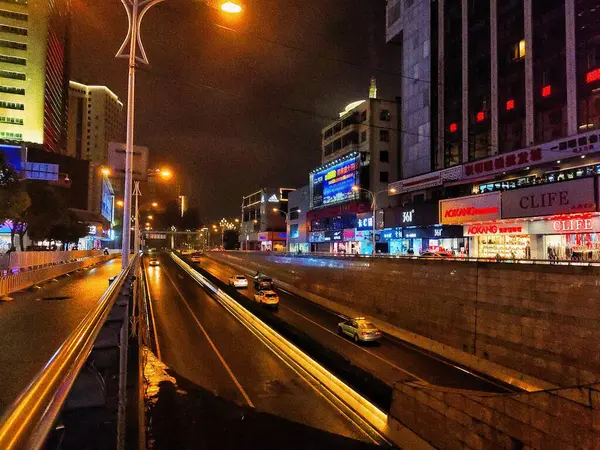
{"points": [[36, 323]]}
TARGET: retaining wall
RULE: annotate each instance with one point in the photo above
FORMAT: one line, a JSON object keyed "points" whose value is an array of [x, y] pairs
{"points": [[559, 419], [540, 321]]}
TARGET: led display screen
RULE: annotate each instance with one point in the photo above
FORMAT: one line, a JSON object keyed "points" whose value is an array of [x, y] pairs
{"points": [[333, 183]]}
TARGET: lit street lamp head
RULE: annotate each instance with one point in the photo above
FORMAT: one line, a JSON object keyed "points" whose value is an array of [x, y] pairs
{"points": [[355, 188], [105, 171], [120, 203], [231, 8], [154, 204]]}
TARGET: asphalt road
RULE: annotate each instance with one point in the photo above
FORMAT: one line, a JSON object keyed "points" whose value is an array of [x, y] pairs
{"points": [[391, 360], [36, 323], [236, 392]]}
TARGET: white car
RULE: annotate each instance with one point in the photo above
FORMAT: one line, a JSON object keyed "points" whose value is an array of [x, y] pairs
{"points": [[238, 281], [267, 298], [196, 257]]}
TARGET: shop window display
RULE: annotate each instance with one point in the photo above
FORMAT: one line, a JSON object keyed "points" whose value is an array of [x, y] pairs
{"points": [[505, 247]]}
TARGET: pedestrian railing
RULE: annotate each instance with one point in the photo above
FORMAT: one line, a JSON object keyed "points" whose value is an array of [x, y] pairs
{"points": [[24, 260], [31, 418]]}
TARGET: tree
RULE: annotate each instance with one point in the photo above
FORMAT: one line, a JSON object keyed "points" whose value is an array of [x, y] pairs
{"points": [[170, 217], [191, 220], [47, 209], [14, 201], [68, 231], [231, 240]]}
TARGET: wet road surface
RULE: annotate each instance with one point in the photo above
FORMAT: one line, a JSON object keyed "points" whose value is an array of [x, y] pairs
{"points": [[391, 360], [231, 391], [36, 323]]}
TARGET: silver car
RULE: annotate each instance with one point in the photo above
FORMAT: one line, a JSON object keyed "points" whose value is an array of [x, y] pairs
{"points": [[360, 330]]}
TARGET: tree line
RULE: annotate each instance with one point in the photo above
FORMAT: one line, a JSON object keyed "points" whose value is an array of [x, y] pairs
{"points": [[37, 209]]}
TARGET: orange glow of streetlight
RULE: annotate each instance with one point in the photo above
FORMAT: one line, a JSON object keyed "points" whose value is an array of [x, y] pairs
{"points": [[355, 188], [120, 203], [105, 171], [154, 204], [150, 217], [231, 8], [166, 174]]}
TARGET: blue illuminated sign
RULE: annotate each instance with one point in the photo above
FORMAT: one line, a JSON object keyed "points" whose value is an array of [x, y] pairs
{"points": [[364, 221], [107, 200], [392, 233], [13, 154], [333, 183]]}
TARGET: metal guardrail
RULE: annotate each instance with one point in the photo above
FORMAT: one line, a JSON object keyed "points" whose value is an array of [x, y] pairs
{"points": [[591, 262], [23, 260], [31, 417]]}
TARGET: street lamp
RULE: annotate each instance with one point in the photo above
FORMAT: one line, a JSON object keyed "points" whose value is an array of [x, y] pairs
{"points": [[154, 204], [286, 228], [105, 171], [136, 10], [120, 203], [373, 208]]}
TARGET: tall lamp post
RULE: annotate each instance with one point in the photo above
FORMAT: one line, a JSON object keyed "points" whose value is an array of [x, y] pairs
{"points": [[373, 207], [136, 10], [287, 237]]}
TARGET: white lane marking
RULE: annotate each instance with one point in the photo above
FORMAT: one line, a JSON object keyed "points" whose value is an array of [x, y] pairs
{"points": [[385, 361], [227, 368], [152, 315]]}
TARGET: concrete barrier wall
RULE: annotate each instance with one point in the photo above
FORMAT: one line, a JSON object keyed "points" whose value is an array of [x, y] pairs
{"points": [[541, 321], [556, 419], [23, 280]]}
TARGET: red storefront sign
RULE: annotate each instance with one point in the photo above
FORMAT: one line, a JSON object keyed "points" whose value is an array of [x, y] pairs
{"points": [[475, 208], [503, 162], [551, 151], [495, 229]]}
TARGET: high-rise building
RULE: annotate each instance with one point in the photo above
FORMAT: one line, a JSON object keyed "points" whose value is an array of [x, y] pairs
{"points": [[486, 77], [34, 67], [95, 119]]}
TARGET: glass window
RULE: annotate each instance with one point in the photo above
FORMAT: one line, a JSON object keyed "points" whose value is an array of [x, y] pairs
{"points": [[384, 135], [384, 177], [384, 156], [363, 136], [385, 115]]}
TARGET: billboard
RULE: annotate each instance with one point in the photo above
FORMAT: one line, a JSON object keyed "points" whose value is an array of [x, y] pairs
{"points": [[566, 197], [108, 200], [333, 183]]}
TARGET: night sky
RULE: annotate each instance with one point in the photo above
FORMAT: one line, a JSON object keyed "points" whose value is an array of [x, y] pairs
{"points": [[223, 108]]}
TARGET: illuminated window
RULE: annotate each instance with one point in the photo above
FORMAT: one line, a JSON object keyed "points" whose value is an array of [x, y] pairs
{"points": [[546, 91], [453, 128], [480, 116], [510, 105], [11, 120], [592, 76], [12, 105], [12, 75], [13, 30], [519, 49], [13, 44], [12, 90], [13, 60]]}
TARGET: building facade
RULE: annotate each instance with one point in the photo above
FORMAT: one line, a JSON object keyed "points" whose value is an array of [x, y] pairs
{"points": [[34, 68], [263, 224], [297, 225], [95, 119], [514, 148], [361, 154]]}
